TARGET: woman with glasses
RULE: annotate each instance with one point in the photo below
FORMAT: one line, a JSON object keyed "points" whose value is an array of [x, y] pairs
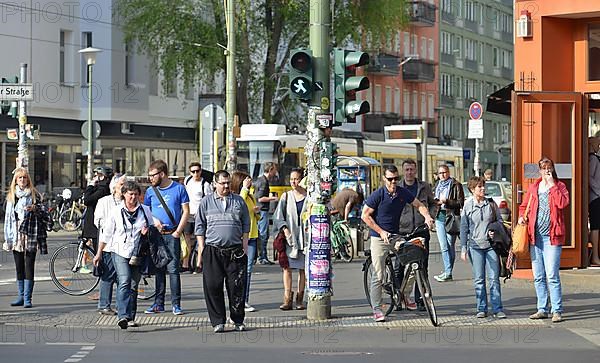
{"points": [[450, 198], [241, 183], [547, 198], [126, 224], [288, 218]]}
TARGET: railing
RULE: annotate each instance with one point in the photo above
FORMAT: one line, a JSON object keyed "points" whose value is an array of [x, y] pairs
{"points": [[447, 58], [422, 13], [384, 64], [417, 70], [471, 65]]}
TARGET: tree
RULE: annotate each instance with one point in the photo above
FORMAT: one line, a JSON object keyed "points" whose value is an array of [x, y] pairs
{"points": [[182, 37]]}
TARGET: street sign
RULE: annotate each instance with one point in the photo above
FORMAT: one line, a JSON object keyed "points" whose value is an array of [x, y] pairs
{"points": [[16, 92], [324, 120], [84, 129], [475, 129], [212, 113], [97, 147], [475, 110], [12, 134], [403, 134]]}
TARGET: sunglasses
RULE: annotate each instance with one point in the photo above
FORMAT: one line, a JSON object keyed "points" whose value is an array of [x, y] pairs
{"points": [[392, 179], [195, 171]]}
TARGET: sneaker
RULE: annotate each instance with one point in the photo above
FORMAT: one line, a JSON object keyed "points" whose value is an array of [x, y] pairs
{"points": [[249, 308], [132, 324], [107, 311], [378, 315], [557, 317], [443, 277], [500, 315], [239, 327], [481, 315], [538, 315], [219, 328], [197, 270], [155, 309], [122, 323], [85, 270], [177, 310]]}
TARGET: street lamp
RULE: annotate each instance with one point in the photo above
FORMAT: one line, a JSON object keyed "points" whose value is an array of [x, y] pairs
{"points": [[89, 55]]}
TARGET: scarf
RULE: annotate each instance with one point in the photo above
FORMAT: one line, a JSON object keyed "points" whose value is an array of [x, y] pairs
{"points": [[23, 199], [443, 188]]}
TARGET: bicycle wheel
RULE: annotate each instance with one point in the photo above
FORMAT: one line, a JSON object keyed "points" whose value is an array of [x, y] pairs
{"points": [[70, 220], [388, 290], [425, 289], [346, 250], [66, 273], [146, 287]]}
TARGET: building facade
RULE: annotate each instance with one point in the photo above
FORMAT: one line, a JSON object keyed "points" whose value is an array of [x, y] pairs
{"points": [[476, 60], [140, 121]]}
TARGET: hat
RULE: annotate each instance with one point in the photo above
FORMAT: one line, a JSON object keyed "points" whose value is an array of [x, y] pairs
{"points": [[103, 170]]}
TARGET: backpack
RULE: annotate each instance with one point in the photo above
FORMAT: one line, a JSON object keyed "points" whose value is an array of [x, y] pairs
{"points": [[204, 183]]}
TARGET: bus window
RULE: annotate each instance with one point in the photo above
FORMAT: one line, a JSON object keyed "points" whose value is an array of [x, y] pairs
{"points": [[251, 155]]}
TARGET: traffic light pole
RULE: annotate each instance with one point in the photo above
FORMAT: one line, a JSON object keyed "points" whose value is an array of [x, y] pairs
{"points": [[319, 270], [22, 153], [231, 84]]}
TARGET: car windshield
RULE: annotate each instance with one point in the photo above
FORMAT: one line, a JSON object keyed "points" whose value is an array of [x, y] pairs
{"points": [[493, 190]]}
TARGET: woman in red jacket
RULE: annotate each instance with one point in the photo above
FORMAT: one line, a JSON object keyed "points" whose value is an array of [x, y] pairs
{"points": [[548, 197]]}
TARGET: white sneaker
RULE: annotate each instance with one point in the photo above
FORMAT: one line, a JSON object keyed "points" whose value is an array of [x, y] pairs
{"points": [[249, 308]]}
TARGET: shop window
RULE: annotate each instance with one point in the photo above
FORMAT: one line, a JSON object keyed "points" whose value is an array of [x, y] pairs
{"points": [[594, 53]]}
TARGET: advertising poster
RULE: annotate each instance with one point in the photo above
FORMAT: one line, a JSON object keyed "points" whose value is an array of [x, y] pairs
{"points": [[319, 259]]}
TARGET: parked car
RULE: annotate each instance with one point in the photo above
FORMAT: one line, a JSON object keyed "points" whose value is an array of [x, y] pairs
{"points": [[501, 192]]}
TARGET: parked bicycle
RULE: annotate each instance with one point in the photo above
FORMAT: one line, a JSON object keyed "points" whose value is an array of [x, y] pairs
{"points": [[341, 241], [411, 253], [70, 219], [71, 271]]}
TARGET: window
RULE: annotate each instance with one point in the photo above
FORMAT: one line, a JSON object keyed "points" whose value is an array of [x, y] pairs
{"points": [[505, 133], [446, 46], [406, 44], [457, 46], [397, 43], [423, 48], [171, 85], [446, 89], [414, 45], [431, 49], [593, 52], [415, 104], [388, 99], [61, 71], [481, 52], [470, 10], [447, 6], [190, 92], [430, 109], [153, 81], [86, 41], [446, 128], [496, 57], [423, 105], [457, 89], [470, 49], [397, 101], [377, 100], [406, 107], [129, 71], [481, 14]]}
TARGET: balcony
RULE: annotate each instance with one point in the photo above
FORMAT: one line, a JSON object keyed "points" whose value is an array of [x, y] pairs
{"points": [[507, 37], [471, 25], [384, 64], [447, 58], [375, 122], [471, 65], [448, 17], [413, 120], [447, 101], [506, 73], [418, 70], [422, 13]]}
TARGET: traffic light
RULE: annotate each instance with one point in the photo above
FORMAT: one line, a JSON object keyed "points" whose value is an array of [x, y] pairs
{"points": [[347, 83], [301, 74], [328, 167], [7, 107]]}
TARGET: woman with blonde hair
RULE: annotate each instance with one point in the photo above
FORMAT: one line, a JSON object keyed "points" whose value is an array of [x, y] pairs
{"points": [[25, 225]]}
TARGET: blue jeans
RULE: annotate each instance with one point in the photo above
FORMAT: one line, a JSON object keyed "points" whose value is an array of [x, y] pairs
{"points": [[108, 278], [128, 279], [174, 247], [251, 253], [485, 262], [263, 234], [545, 262], [447, 243]]}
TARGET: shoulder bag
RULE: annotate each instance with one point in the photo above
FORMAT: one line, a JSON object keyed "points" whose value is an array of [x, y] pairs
{"points": [[520, 236]]}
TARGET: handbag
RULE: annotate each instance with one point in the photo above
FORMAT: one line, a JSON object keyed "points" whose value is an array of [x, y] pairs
{"points": [[185, 251], [520, 236], [452, 223]]}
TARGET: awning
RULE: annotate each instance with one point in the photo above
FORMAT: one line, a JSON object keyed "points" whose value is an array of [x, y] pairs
{"points": [[354, 161], [500, 101]]}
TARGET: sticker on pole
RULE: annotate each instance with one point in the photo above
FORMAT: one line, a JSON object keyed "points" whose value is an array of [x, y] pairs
{"points": [[475, 111], [319, 257]]}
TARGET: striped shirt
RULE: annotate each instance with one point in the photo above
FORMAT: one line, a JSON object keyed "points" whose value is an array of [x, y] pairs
{"points": [[542, 223], [222, 220]]}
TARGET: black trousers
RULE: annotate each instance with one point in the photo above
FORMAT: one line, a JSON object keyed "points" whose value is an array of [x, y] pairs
{"points": [[24, 264], [224, 266]]}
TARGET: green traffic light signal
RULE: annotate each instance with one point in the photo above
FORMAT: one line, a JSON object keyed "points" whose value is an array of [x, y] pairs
{"points": [[301, 74], [347, 83]]}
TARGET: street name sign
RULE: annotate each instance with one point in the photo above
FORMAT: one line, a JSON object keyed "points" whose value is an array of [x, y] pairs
{"points": [[16, 92]]}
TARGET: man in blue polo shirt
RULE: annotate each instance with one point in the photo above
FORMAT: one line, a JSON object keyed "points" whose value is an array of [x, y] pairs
{"points": [[171, 224], [382, 214]]}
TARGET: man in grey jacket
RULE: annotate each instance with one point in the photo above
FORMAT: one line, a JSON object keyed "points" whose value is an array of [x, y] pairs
{"points": [[222, 227], [411, 218]]}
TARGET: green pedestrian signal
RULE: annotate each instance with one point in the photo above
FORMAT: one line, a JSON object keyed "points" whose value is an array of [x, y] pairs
{"points": [[301, 74], [347, 83], [10, 108]]}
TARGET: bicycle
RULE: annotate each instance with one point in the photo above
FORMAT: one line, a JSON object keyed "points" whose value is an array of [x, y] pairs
{"points": [[70, 219], [411, 253], [341, 240], [70, 273]]}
